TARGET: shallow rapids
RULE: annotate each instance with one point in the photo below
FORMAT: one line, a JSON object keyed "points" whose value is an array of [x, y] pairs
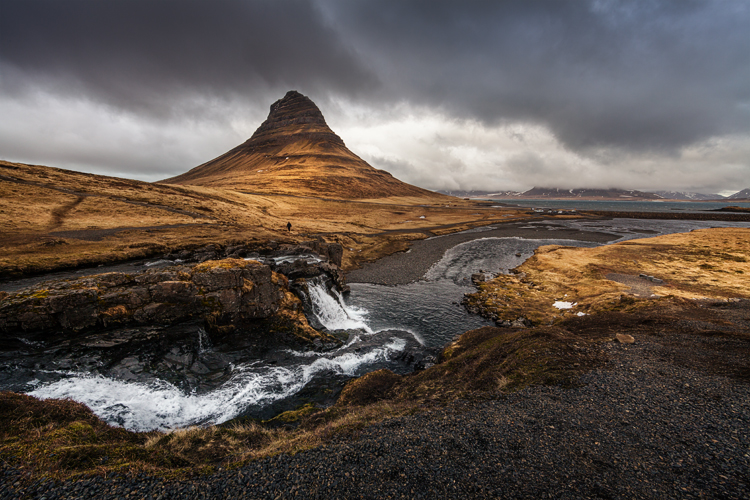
{"points": [[387, 327], [160, 405]]}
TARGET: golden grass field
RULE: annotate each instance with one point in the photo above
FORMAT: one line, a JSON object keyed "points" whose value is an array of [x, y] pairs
{"points": [[52, 218], [41, 206], [706, 263]]}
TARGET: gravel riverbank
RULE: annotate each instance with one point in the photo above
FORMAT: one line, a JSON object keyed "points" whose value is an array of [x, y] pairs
{"points": [[404, 267], [643, 426]]}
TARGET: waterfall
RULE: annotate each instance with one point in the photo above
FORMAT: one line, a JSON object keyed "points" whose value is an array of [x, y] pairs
{"points": [[329, 308], [204, 342]]}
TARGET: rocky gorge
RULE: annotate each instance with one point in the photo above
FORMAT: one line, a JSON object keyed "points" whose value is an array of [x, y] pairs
{"points": [[189, 321], [684, 344]]}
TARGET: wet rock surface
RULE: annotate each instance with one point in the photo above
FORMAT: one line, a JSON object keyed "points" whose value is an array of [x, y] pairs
{"points": [[640, 427], [267, 252], [225, 291], [187, 325]]}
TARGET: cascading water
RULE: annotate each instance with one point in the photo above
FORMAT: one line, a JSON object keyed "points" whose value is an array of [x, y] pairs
{"points": [[253, 385], [204, 341], [387, 326], [329, 308], [160, 405], [431, 308]]}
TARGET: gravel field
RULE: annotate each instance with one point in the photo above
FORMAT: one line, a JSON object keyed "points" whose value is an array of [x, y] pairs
{"points": [[640, 427], [404, 267]]}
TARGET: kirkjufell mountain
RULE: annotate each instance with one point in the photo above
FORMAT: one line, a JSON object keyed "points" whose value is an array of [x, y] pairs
{"points": [[295, 152]]}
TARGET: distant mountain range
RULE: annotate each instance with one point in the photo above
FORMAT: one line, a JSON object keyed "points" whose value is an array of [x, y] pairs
{"points": [[742, 195], [619, 194], [597, 194], [687, 195], [481, 194]]}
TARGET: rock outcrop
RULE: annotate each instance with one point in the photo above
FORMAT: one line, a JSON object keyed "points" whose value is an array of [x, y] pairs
{"points": [[330, 252], [224, 292], [305, 260], [188, 325]]}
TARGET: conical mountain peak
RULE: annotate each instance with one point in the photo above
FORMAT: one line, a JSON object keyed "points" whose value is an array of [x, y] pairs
{"points": [[294, 108], [294, 152], [292, 115]]}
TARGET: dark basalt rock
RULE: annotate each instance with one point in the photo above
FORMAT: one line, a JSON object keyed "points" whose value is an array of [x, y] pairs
{"points": [[329, 252], [187, 325], [316, 257], [228, 291], [293, 111]]}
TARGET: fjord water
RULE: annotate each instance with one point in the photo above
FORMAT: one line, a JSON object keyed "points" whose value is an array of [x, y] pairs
{"points": [[627, 206], [385, 323]]}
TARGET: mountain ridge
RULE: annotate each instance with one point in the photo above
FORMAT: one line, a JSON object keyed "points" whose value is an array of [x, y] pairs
{"points": [[740, 195], [592, 193], [545, 192], [688, 195]]}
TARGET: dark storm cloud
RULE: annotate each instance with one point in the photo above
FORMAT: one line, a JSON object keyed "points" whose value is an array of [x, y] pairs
{"points": [[147, 55], [605, 91], [644, 75], [647, 74]]}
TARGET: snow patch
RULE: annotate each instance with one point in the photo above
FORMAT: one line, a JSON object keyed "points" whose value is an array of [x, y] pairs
{"points": [[564, 305]]}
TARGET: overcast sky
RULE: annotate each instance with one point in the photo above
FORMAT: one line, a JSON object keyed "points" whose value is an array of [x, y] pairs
{"points": [[443, 94]]}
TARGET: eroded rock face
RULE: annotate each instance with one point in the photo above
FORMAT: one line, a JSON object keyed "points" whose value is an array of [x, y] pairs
{"points": [[290, 117], [227, 291], [189, 326], [332, 253]]}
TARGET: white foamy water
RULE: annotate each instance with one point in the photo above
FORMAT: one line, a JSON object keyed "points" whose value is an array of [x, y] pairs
{"points": [[161, 262], [333, 312], [430, 310], [161, 405], [309, 258]]}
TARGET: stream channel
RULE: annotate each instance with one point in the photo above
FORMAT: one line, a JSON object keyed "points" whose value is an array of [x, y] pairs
{"points": [[399, 326]]}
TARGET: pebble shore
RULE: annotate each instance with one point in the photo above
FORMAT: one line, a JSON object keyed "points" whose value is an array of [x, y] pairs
{"points": [[404, 267], [639, 427]]}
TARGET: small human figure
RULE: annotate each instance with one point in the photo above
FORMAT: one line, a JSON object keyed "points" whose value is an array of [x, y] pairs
{"points": [[289, 226]]}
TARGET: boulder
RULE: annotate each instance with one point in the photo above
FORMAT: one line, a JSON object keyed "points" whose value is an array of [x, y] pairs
{"points": [[109, 280], [337, 276], [132, 297], [624, 338], [333, 252], [299, 269], [217, 278]]}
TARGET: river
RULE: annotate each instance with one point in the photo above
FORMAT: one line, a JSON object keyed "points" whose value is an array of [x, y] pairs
{"points": [[390, 326]]}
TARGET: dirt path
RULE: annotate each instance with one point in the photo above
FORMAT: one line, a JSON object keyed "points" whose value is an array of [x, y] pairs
{"points": [[58, 214]]}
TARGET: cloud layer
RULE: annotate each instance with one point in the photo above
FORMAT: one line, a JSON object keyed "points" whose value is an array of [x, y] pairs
{"points": [[470, 95]]}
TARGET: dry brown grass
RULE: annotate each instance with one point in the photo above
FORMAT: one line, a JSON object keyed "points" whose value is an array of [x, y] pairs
{"points": [[41, 201], [713, 263], [213, 445], [62, 439]]}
